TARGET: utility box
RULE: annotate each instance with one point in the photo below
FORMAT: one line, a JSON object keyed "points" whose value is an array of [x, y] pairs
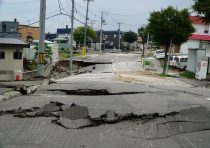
{"points": [[17, 75], [201, 70]]}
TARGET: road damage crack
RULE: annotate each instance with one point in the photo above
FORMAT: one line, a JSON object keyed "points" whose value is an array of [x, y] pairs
{"points": [[93, 92], [154, 125]]}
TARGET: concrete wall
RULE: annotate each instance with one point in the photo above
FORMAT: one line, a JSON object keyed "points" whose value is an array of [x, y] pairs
{"points": [[10, 64], [195, 55], [6, 75], [47, 71], [29, 53], [189, 44]]}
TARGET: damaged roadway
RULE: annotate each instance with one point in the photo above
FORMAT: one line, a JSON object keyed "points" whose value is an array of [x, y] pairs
{"points": [[93, 111]]}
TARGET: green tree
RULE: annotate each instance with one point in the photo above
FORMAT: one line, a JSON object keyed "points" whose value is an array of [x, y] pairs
{"points": [[202, 8], [130, 37], [169, 25], [143, 33], [79, 34]]}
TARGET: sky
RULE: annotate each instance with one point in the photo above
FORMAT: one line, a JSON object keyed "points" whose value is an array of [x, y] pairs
{"points": [[131, 13]]}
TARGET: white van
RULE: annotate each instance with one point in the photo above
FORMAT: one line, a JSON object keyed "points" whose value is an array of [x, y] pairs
{"points": [[181, 62]]}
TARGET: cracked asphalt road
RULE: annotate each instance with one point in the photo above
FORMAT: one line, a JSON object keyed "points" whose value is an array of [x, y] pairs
{"points": [[189, 128]]}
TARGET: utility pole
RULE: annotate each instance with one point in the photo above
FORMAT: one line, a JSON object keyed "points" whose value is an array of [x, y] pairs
{"points": [[101, 32], [119, 35], [72, 38], [40, 69], [86, 22], [169, 55], [145, 58]]}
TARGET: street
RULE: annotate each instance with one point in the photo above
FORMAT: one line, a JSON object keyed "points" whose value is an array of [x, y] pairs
{"points": [[155, 112]]}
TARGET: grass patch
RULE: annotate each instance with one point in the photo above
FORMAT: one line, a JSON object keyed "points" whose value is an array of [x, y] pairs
{"points": [[167, 75], [187, 74], [147, 62]]}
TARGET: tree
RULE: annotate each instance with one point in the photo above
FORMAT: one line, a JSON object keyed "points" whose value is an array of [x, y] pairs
{"points": [[143, 33], [170, 25], [202, 8], [130, 37], [79, 34]]}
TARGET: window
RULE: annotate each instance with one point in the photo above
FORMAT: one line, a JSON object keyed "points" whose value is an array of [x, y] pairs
{"points": [[115, 35], [17, 55], [206, 31], [2, 55], [4, 28]]}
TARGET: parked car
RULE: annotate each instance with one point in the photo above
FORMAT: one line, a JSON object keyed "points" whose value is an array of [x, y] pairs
{"points": [[159, 54], [173, 60], [181, 62]]}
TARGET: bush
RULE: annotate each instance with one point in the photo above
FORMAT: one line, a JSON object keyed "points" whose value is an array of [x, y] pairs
{"points": [[187, 74], [147, 62]]}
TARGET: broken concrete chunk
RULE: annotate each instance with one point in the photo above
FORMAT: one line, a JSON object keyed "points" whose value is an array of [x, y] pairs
{"points": [[75, 112], [73, 124]]}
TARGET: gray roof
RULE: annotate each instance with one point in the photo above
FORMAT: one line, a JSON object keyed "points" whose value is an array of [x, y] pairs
{"points": [[13, 42]]}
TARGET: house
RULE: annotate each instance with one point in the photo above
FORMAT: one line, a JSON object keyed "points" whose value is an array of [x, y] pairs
{"points": [[198, 45], [200, 38], [9, 29], [11, 58], [51, 36], [110, 39], [28, 33], [64, 32]]}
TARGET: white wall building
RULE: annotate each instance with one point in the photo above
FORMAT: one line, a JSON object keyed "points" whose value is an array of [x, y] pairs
{"points": [[200, 38], [11, 57], [198, 45]]}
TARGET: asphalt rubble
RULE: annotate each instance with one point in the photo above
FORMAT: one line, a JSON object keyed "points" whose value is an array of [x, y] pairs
{"points": [[154, 126]]}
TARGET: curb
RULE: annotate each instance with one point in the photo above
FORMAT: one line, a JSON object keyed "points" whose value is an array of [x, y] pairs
{"points": [[9, 95]]}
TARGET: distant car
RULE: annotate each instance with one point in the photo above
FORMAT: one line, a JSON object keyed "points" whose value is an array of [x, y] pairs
{"points": [[159, 54], [181, 62]]}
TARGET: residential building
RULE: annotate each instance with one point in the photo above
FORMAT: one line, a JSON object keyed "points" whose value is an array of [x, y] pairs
{"points": [[28, 33], [11, 58], [9, 29], [110, 39], [64, 32], [51, 36], [200, 38], [198, 45]]}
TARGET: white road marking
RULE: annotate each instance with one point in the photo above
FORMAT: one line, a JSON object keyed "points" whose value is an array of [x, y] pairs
{"points": [[208, 99]]}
